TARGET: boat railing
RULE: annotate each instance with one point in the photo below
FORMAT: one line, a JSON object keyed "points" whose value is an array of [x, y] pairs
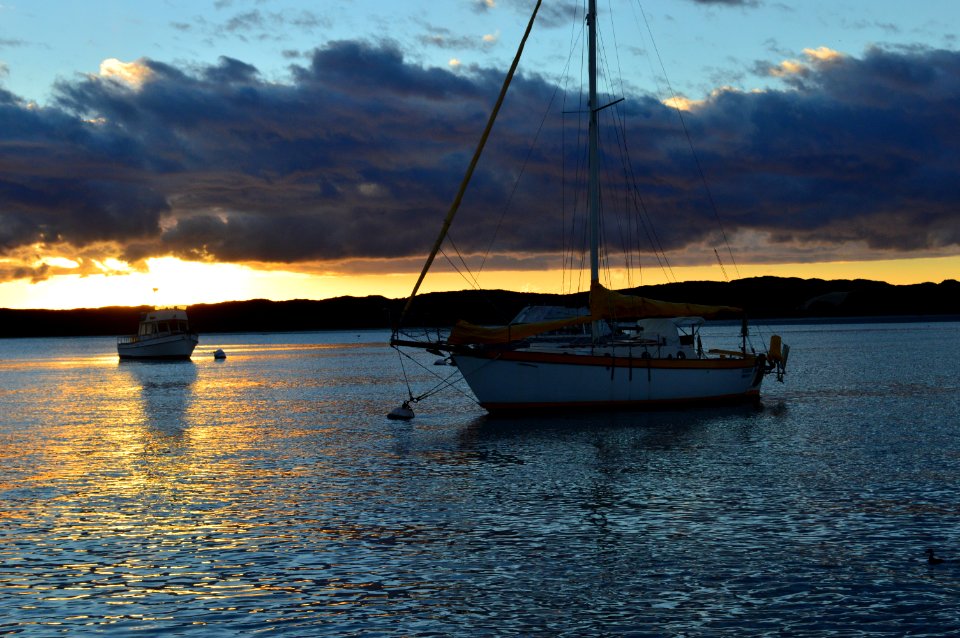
{"points": [[128, 339]]}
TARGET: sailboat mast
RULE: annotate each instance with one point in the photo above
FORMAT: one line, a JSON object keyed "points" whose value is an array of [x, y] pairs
{"points": [[594, 186], [593, 189]]}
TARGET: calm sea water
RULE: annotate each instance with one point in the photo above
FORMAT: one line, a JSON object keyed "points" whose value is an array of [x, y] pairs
{"points": [[268, 494]]}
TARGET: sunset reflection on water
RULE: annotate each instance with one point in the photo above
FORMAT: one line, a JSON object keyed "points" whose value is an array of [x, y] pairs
{"points": [[135, 484], [269, 493]]}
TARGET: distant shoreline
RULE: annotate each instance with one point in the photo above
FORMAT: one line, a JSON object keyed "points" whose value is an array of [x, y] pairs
{"points": [[770, 300]]}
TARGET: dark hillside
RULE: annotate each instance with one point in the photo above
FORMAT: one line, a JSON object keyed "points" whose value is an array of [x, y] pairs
{"points": [[761, 297]]}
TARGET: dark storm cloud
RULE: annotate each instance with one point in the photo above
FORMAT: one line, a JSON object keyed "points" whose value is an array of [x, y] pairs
{"points": [[359, 155], [63, 179], [860, 149]]}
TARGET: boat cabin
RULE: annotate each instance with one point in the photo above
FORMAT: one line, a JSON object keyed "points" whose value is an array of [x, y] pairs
{"points": [[668, 338], [162, 322], [656, 338]]}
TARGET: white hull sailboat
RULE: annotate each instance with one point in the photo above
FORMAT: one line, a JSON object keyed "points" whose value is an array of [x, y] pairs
{"points": [[622, 352], [555, 380]]}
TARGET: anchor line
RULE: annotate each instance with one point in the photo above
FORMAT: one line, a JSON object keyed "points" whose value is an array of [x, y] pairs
{"points": [[444, 383]]}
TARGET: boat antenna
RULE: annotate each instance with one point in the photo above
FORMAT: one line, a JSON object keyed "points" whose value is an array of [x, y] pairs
{"points": [[473, 164]]}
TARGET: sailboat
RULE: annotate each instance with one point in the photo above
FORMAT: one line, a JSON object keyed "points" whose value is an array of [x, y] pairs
{"points": [[622, 351]]}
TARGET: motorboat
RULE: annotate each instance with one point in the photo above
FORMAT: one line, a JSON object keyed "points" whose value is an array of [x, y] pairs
{"points": [[163, 333]]}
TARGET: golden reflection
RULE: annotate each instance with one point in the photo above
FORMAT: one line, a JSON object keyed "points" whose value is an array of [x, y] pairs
{"points": [[165, 391], [151, 480]]}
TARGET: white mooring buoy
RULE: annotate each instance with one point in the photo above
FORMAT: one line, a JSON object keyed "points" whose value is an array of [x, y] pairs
{"points": [[403, 413]]}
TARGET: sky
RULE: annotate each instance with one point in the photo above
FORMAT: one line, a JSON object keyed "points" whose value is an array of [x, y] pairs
{"points": [[181, 152]]}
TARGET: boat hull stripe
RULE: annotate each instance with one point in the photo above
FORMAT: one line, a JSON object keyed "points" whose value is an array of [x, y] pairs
{"points": [[526, 356]]}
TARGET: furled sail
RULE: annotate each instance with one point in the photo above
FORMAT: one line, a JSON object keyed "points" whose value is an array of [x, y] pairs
{"points": [[604, 304], [466, 333], [607, 304]]}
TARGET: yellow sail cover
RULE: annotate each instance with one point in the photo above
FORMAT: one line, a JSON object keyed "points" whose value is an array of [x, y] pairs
{"points": [[464, 332], [604, 304], [607, 304]]}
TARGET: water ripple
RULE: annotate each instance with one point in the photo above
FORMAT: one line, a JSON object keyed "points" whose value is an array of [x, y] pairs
{"points": [[267, 493]]}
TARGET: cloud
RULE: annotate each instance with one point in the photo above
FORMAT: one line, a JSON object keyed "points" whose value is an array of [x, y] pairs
{"points": [[445, 39], [134, 74], [556, 13], [256, 25], [356, 158], [728, 3], [12, 43], [482, 6], [815, 57]]}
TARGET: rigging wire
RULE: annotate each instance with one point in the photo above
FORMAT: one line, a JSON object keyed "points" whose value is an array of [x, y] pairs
{"points": [[720, 261], [696, 160], [449, 382], [693, 152], [471, 280], [624, 239], [575, 37], [643, 218], [473, 163], [569, 248], [523, 167], [579, 171], [474, 277]]}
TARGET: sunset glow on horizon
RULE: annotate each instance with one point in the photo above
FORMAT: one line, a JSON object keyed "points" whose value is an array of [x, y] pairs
{"points": [[170, 281]]}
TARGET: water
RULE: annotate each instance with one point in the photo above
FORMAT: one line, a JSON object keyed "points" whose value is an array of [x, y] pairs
{"points": [[268, 494]]}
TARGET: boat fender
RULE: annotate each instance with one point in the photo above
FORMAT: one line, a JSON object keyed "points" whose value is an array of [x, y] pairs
{"points": [[774, 350], [645, 355], [403, 413]]}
